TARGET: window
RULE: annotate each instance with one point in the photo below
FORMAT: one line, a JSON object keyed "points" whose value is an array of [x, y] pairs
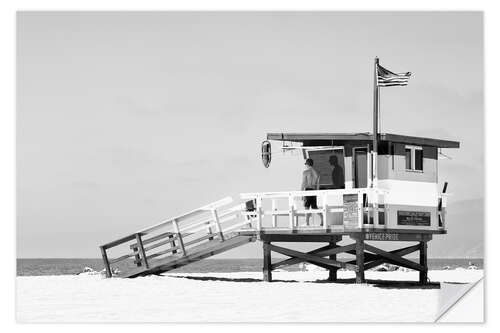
{"points": [[414, 158], [419, 160], [408, 158]]}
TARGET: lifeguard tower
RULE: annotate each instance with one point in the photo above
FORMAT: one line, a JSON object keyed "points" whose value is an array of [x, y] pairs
{"points": [[373, 188]]}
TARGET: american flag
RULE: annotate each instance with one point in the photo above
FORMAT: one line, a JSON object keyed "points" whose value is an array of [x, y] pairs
{"points": [[386, 78]]}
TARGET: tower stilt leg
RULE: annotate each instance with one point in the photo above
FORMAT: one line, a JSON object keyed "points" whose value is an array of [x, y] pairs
{"points": [[267, 269], [332, 276], [360, 260], [423, 262]]}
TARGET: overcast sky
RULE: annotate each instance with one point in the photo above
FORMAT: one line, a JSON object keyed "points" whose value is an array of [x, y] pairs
{"points": [[124, 119]]}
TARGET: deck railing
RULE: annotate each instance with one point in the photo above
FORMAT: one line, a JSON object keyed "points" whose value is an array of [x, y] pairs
{"points": [[269, 206], [176, 236]]}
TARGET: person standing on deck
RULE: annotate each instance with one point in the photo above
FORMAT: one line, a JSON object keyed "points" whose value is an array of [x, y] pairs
{"points": [[337, 173], [310, 182]]}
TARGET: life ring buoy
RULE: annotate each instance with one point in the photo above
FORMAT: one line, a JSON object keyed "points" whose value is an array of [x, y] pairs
{"points": [[266, 153]]}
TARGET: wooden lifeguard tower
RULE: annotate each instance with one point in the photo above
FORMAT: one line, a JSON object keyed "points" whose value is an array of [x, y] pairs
{"points": [[373, 188]]}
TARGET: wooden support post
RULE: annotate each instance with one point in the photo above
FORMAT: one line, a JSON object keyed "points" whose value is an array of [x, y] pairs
{"points": [[106, 261], [332, 275], [423, 262], [140, 246], [360, 260], [178, 232], [267, 269], [217, 224]]}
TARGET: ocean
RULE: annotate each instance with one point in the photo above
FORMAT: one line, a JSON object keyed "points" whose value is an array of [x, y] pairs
{"points": [[61, 266]]}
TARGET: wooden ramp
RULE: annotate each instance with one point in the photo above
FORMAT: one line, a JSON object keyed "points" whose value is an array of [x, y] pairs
{"points": [[179, 241], [195, 254]]}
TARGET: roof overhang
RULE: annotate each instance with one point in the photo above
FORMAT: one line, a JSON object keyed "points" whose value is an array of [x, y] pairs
{"points": [[303, 137]]}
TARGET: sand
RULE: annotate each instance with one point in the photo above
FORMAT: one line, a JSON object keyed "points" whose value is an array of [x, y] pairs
{"points": [[236, 297]]}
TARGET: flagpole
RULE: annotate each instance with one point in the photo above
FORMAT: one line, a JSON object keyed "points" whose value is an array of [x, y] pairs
{"points": [[376, 95]]}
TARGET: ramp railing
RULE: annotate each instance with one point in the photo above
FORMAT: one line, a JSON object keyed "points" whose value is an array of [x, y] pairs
{"points": [[175, 236], [360, 207]]}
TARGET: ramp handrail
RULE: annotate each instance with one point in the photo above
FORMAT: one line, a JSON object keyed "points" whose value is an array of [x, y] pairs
{"points": [[209, 222]]}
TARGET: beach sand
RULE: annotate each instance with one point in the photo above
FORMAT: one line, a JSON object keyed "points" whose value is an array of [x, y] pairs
{"points": [[237, 297]]}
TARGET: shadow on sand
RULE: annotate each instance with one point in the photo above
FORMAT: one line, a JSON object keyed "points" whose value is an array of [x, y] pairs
{"points": [[385, 284]]}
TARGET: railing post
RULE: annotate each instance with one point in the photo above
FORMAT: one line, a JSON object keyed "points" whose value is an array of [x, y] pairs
{"points": [[137, 257], [274, 217], [375, 207], [325, 224], [259, 212], [138, 238], [210, 232], [290, 211], [172, 243], [178, 232], [369, 174], [361, 212], [217, 224], [106, 261]]}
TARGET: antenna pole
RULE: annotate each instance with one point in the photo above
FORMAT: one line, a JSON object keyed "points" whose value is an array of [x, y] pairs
{"points": [[376, 95]]}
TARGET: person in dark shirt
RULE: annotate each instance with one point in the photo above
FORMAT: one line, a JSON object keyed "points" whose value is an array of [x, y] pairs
{"points": [[337, 173]]}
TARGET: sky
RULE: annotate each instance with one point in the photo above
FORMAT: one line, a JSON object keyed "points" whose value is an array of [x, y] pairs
{"points": [[127, 118]]}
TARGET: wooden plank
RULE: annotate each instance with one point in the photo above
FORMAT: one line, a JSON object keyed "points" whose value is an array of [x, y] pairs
{"points": [[154, 246], [267, 267], [156, 254], [309, 211], [197, 253], [141, 250], [118, 241], [298, 237], [303, 137], [106, 262], [293, 261], [152, 239], [236, 226], [399, 260], [216, 204], [200, 239], [395, 236], [126, 256], [308, 257]]}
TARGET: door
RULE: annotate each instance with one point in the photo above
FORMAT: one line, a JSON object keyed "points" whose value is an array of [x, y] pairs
{"points": [[360, 167]]}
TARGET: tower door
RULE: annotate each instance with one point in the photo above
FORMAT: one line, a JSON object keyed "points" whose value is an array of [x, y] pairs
{"points": [[360, 167]]}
